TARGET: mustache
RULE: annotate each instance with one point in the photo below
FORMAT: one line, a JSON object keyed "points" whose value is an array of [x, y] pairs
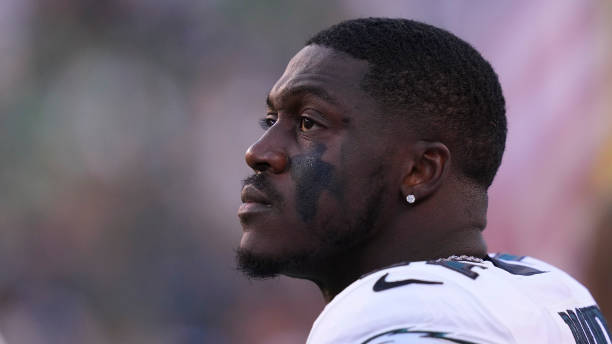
{"points": [[261, 182]]}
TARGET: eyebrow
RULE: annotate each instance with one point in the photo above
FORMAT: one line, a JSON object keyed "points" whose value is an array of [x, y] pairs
{"points": [[305, 89]]}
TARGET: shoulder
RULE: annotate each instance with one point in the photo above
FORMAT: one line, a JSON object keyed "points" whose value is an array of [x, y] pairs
{"points": [[397, 301], [476, 300]]}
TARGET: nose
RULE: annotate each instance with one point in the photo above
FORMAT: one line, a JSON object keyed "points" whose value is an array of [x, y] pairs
{"points": [[264, 155]]}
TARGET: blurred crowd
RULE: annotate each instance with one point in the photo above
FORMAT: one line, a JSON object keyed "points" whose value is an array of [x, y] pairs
{"points": [[123, 126]]}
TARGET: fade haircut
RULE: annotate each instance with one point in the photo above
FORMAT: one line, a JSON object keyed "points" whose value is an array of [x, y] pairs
{"points": [[439, 85]]}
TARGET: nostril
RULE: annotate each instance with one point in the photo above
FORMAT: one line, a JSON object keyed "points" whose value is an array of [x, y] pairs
{"points": [[261, 166]]}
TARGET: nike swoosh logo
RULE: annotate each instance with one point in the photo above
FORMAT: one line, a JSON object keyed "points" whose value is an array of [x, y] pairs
{"points": [[383, 284]]}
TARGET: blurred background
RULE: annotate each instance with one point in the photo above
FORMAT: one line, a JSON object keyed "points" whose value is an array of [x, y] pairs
{"points": [[123, 126]]}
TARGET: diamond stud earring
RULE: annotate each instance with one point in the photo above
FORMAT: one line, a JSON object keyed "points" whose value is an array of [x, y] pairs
{"points": [[410, 198]]}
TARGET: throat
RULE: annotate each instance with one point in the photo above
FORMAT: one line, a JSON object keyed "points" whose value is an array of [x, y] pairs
{"points": [[340, 272]]}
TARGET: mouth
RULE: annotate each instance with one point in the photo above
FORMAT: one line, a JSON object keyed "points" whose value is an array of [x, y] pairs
{"points": [[253, 201], [251, 194]]}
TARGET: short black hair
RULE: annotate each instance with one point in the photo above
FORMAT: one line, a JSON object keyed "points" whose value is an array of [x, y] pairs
{"points": [[448, 90]]}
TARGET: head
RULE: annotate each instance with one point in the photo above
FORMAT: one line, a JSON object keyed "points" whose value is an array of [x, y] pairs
{"points": [[369, 111]]}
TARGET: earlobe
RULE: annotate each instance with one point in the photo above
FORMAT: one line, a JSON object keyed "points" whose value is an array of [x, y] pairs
{"points": [[426, 171]]}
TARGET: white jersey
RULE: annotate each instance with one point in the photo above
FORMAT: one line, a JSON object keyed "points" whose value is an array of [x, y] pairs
{"points": [[504, 299]]}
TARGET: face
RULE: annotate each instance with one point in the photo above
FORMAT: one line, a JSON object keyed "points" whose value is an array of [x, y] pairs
{"points": [[320, 170]]}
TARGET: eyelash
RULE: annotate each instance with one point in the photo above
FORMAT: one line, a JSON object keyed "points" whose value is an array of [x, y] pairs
{"points": [[266, 123]]}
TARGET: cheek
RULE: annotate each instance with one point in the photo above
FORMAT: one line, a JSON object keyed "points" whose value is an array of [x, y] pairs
{"points": [[366, 185], [332, 213], [313, 178]]}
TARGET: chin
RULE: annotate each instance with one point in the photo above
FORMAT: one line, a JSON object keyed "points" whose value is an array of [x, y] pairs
{"points": [[259, 263], [257, 243], [255, 265]]}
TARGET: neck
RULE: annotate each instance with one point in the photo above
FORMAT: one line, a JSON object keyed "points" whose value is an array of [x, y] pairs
{"points": [[430, 236], [388, 251]]}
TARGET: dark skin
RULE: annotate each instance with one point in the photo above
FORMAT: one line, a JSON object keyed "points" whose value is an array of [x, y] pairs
{"points": [[313, 176], [337, 172]]}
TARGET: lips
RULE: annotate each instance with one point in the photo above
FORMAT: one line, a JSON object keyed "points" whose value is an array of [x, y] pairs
{"points": [[254, 202], [250, 194]]}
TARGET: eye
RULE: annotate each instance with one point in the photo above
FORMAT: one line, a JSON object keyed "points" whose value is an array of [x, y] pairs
{"points": [[266, 123], [307, 124]]}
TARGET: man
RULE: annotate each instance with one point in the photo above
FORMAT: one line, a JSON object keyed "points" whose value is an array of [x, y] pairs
{"points": [[381, 139]]}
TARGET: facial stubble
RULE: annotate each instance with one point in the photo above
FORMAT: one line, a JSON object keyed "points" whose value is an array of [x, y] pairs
{"points": [[313, 177]]}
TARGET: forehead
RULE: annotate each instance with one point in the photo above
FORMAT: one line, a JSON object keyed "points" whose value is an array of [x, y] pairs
{"points": [[316, 67]]}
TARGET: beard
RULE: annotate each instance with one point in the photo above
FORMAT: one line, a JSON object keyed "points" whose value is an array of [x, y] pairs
{"points": [[261, 266], [334, 242]]}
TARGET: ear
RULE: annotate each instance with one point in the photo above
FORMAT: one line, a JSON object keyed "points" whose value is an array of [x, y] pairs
{"points": [[426, 169]]}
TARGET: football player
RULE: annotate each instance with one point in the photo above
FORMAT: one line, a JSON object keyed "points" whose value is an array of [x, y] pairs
{"points": [[381, 139]]}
